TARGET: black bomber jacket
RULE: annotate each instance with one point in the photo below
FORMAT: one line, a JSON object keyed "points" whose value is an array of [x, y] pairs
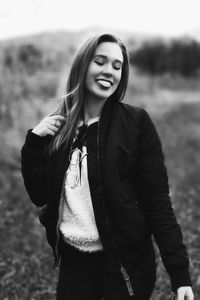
{"points": [[132, 202]]}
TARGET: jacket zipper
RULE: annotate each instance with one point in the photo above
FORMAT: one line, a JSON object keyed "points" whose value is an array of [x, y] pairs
{"points": [[122, 269], [57, 260]]}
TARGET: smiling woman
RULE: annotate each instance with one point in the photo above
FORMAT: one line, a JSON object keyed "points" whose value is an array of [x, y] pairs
{"points": [[96, 166], [104, 72]]}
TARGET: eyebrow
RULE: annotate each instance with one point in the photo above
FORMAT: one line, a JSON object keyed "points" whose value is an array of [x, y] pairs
{"points": [[104, 56]]}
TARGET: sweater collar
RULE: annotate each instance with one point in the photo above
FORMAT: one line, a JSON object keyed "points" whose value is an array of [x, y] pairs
{"points": [[90, 121]]}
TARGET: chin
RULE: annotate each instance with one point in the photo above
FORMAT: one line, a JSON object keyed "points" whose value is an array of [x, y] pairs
{"points": [[103, 95]]}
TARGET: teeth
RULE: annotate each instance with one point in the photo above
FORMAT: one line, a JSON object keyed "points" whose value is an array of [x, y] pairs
{"points": [[104, 83]]}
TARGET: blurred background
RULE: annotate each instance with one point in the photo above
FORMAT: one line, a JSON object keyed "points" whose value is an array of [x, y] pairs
{"points": [[37, 43]]}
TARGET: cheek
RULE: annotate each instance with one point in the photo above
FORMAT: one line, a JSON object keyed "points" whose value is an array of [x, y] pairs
{"points": [[92, 70], [88, 80], [90, 75], [118, 75], [117, 78]]}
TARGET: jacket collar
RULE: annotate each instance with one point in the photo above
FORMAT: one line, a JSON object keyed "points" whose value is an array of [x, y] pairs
{"points": [[103, 131], [61, 157]]}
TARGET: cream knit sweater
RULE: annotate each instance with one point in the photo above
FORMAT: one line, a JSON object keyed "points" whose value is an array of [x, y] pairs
{"points": [[77, 221]]}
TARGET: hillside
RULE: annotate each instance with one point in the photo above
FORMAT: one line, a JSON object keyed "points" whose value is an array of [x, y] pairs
{"points": [[33, 74]]}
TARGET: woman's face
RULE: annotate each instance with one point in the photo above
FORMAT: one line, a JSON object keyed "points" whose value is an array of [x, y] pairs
{"points": [[104, 71]]}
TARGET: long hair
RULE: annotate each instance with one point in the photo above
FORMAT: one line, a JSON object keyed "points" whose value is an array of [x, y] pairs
{"points": [[73, 103]]}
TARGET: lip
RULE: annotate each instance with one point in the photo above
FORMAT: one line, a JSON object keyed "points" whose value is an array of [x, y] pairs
{"points": [[103, 79]]}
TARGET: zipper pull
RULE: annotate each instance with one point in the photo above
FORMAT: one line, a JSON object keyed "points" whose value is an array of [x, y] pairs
{"points": [[128, 282]]}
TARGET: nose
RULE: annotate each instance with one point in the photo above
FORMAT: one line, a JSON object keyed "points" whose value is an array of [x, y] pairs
{"points": [[107, 70]]}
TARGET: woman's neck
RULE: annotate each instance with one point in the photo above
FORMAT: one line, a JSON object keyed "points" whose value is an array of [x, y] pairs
{"points": [[92, 108]]}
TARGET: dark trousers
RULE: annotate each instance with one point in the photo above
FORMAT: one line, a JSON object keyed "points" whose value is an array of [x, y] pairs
{"points": [[85, 276]]}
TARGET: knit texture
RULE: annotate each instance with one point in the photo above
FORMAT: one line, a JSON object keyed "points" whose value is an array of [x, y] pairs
{"points": [[77, 223]]}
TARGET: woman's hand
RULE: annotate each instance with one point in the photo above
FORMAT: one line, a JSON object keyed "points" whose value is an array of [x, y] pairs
{"points": [[49, 125], [185, 293]]}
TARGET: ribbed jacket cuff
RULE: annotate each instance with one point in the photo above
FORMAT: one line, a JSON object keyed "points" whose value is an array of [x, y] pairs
{"points": [[33, 140], [179, 277]]}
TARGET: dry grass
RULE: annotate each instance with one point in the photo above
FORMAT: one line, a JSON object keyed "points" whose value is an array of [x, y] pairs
{"points": [[25, 259]]}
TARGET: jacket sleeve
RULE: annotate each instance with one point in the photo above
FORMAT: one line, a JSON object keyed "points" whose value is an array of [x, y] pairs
{"points": [[155, 200], [33, 168]]}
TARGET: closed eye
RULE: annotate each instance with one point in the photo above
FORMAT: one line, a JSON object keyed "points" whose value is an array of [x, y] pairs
{"points": [[116, 67], [99, 63]]}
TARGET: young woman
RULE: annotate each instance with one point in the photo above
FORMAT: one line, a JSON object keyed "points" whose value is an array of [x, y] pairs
{"points": [[96, 168]]}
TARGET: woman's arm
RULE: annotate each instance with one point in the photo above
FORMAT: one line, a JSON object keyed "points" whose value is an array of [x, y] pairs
{"points": [[155, 200], [33, 158], [33, 167]]}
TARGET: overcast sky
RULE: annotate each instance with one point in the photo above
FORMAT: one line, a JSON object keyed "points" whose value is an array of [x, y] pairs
{"points": [[152, 17]]}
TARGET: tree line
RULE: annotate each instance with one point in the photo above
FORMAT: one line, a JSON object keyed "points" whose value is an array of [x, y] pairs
{"points": [[155, 57], [177, 57]]}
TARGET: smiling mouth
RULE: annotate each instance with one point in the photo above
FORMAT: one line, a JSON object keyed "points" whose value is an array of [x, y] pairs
{"points": [[104, 83]]}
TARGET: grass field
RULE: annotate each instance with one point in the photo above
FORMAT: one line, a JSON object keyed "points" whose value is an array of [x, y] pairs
{"points": [[26, 271]]}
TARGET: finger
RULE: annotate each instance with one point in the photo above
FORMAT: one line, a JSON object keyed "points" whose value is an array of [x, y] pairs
{"points": [[57, 117], [49, 122], [180, 295], [54, 122], [50, 132], [57, 123], [189, 295], [53, 128]]}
